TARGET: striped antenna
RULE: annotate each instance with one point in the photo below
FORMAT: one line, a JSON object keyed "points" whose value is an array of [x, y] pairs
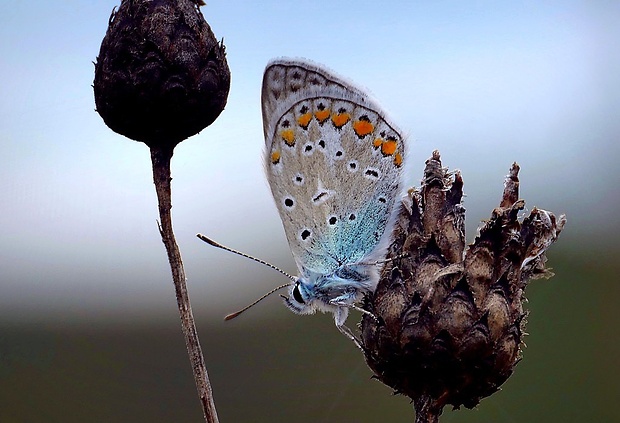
{"points": [[236, 313], [223, 247]]}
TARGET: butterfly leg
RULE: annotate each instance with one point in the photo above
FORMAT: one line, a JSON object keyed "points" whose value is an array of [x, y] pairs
{"points": [[340, 316], [386, 260], [366, 312], [347, 332], [346, 301]]}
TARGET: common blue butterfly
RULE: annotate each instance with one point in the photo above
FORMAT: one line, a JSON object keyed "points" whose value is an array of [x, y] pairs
{"points": [[334, 163]]}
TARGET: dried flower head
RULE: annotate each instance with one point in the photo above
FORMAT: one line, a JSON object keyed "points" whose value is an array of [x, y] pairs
{"points": [[161, 76], [450, 320]]}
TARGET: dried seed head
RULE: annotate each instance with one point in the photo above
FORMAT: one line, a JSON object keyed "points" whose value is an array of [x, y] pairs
{"points": [[161, 76], [451, 319]]}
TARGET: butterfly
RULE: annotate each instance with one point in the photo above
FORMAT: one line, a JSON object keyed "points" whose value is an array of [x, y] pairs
{"points": [[334, 163]]}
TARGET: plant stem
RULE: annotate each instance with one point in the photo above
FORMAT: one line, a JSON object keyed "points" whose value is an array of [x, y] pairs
{"points": [[160, 157], [426, 410]]}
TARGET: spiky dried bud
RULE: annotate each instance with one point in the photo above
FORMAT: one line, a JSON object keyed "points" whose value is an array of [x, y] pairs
{"points": [[450, 320], [161, 76]]}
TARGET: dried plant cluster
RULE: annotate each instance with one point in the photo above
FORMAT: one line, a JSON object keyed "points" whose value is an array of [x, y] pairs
{"points": [[450, 318], [161, 76]]}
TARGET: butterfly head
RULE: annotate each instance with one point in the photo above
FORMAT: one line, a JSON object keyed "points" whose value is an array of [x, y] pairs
{"points": [[328, 293], [301, 299]]}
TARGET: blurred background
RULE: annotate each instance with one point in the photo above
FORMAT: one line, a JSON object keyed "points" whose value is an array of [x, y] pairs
{"points": [[89, 329]]}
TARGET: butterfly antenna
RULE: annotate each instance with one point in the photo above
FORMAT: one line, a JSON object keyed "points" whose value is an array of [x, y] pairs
{"points": [[223, 247], [236, 313]]}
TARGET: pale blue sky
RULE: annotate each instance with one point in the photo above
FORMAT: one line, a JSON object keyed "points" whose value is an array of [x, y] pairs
{"points": [[485, 83]]}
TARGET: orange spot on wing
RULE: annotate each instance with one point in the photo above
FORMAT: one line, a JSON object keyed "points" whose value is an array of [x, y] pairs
{"points": [[288, 135], [304, 120], [321, 115], [377, 142], [398, 159], [389, 147], [340, 119], [363, 128], [275, 157]]}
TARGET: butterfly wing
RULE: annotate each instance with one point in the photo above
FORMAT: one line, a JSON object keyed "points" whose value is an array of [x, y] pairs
{"points": [[334, 164]]}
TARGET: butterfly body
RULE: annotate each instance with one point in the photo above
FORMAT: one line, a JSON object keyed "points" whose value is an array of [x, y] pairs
{"points": [[334, 164]]}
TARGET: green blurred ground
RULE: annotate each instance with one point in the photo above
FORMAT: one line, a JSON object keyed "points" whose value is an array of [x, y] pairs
{"points": [[287, 368]]}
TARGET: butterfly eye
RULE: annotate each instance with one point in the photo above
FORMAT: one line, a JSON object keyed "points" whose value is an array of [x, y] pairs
{"points": [[297, 295]]}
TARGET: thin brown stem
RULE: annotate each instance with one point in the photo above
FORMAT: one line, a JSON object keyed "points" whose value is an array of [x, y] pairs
{"points": [[426, 410], [160, 157]]}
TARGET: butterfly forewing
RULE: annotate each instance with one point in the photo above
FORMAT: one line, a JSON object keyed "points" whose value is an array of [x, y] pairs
{"points": [[334, 165]]}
